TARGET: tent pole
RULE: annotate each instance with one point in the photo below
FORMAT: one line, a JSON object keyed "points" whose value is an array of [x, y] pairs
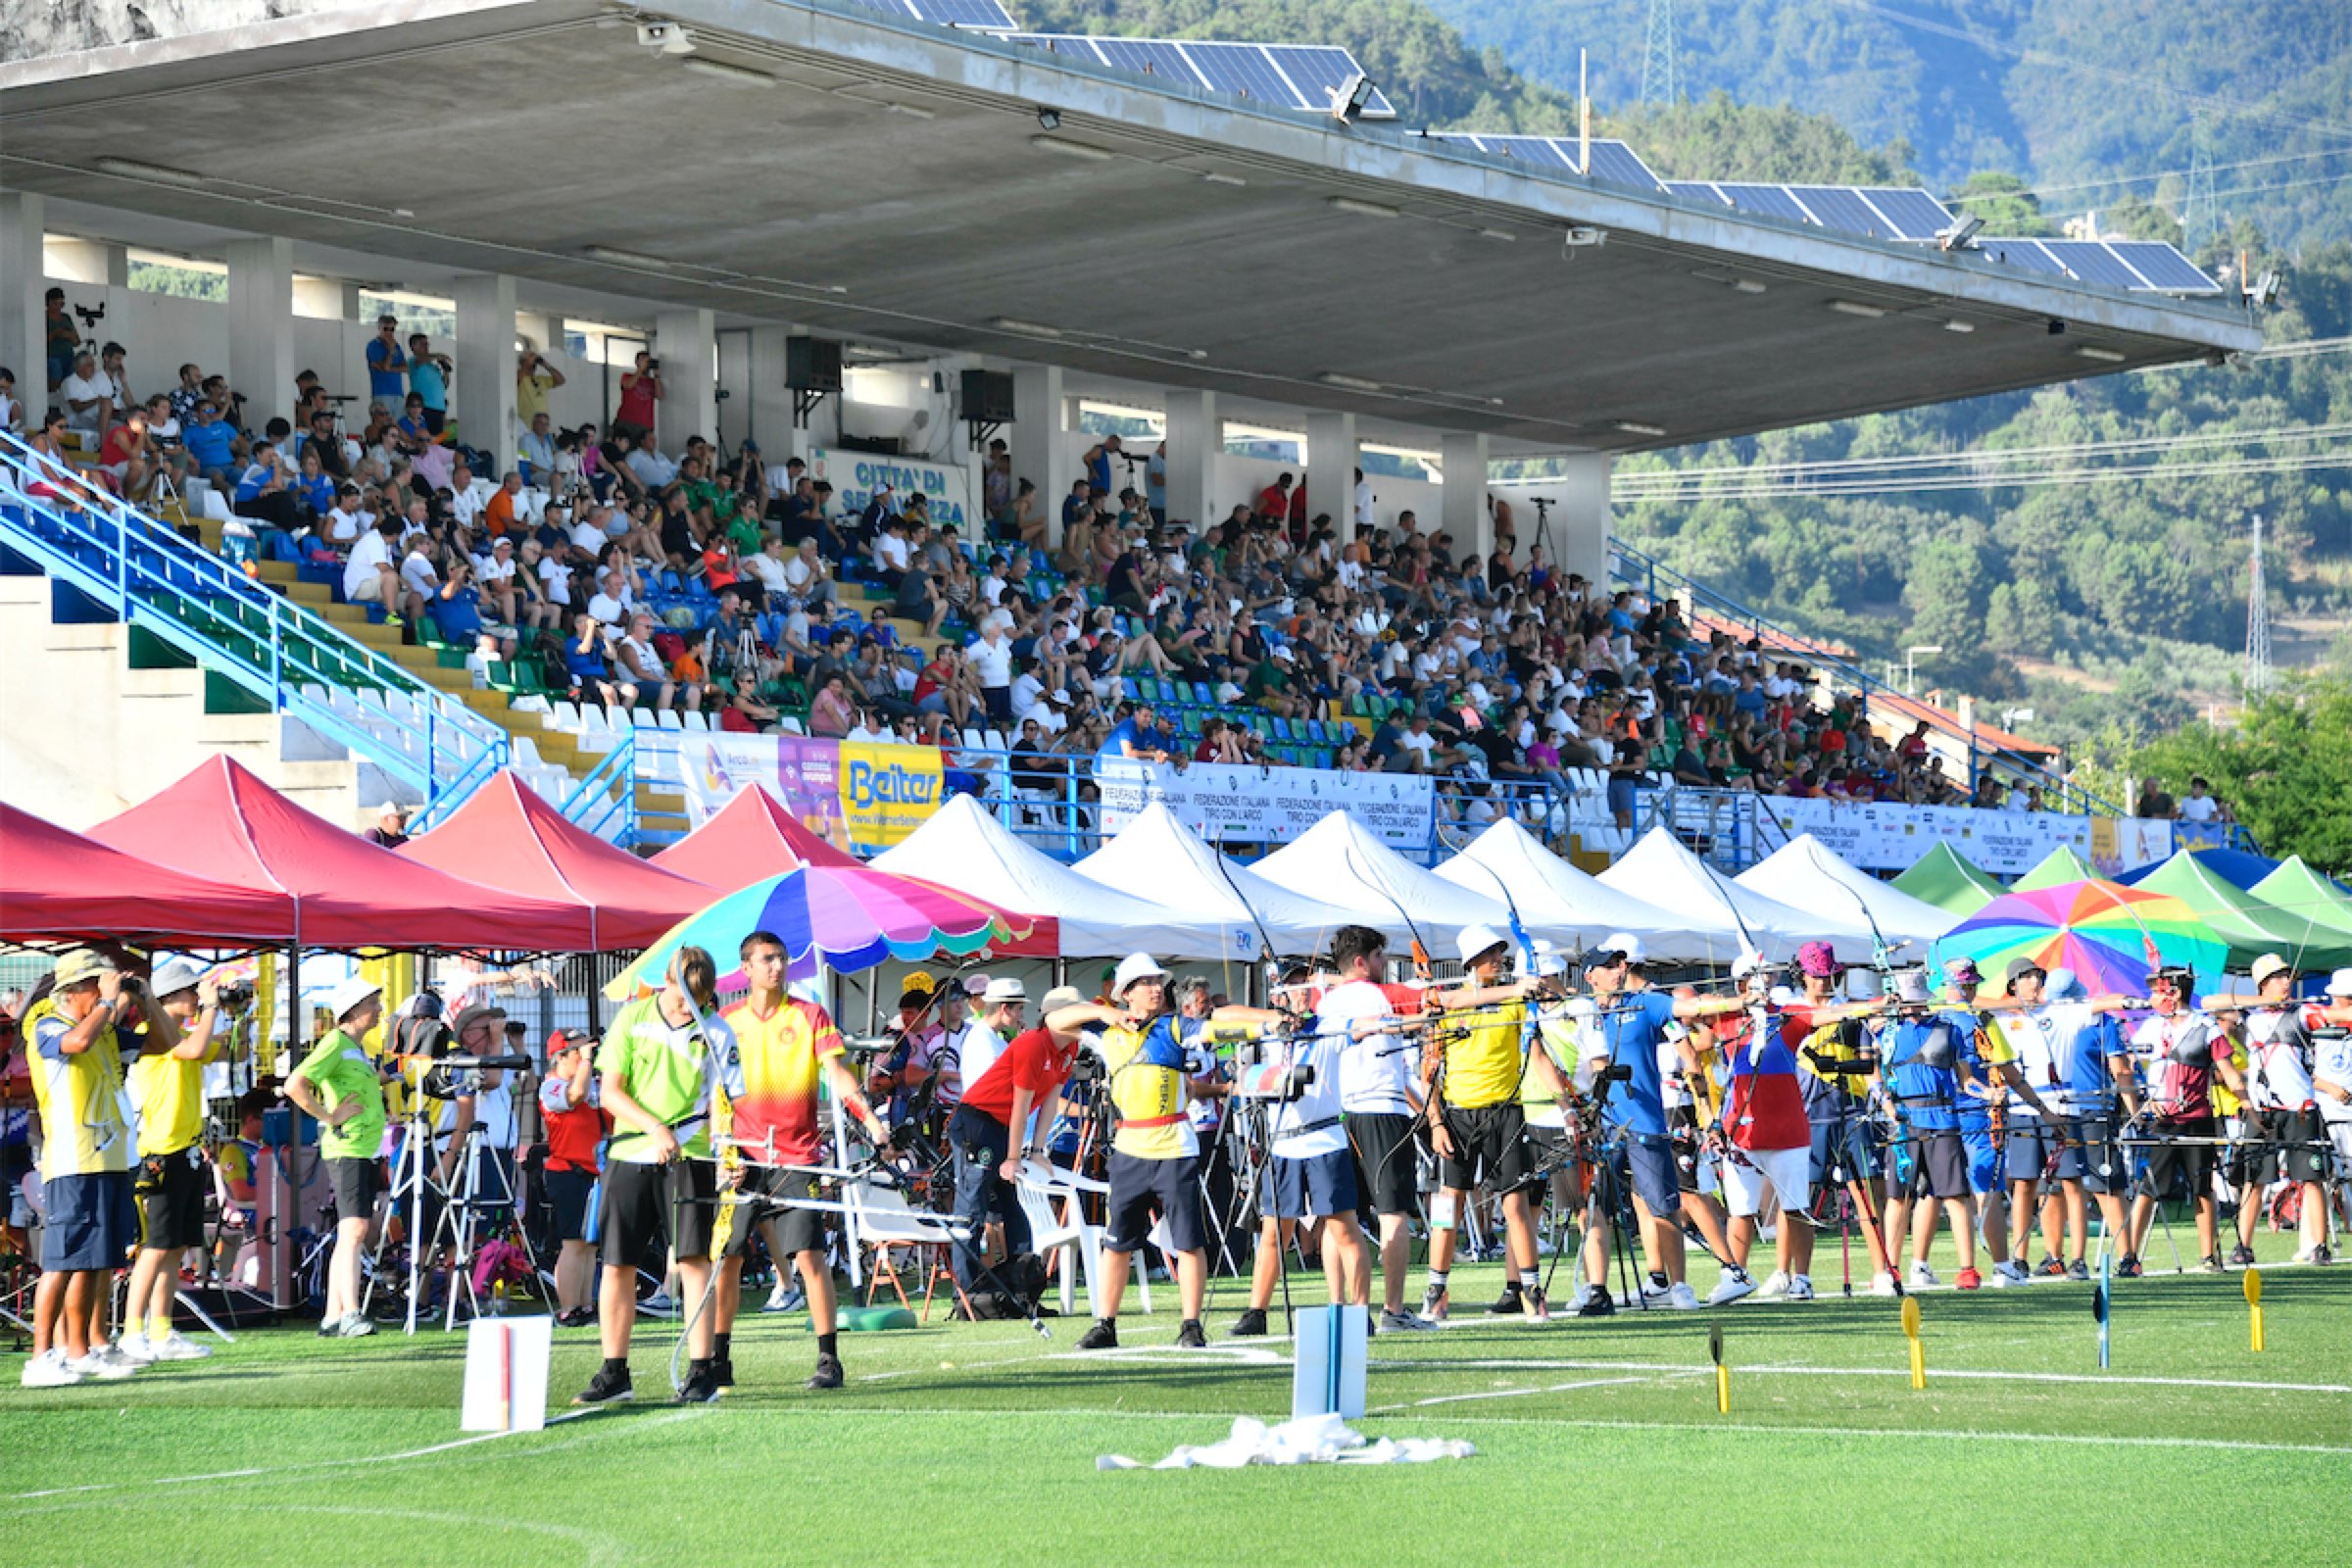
{"points": [[290, 1211]]}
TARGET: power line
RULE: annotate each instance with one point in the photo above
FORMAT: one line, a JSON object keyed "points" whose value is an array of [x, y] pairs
{"points": [[2128, 446], [1797, 486]]}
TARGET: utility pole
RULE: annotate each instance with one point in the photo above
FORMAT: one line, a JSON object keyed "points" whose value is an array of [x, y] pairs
{"points": [[2258, 625], [1661, 75], [2200, 219]]}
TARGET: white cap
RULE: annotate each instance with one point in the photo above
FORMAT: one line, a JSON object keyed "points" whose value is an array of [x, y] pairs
{"points": [[1550, 963], [1006, 988], [2340, 984], [2269, 964], [1627, 943], [391, 809], [1747, 963], [1478, 939], [1782, 997], [349, 995], [1133, 967], [178, 975]]}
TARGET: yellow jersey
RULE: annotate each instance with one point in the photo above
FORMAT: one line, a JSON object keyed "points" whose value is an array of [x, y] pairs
{"points": [[1482, 1063]]}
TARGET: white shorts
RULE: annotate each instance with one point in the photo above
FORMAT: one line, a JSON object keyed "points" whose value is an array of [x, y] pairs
{"points": [[1746, 1172]]}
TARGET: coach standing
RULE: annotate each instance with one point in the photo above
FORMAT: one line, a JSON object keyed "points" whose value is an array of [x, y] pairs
{"points": [[337, 1084]]}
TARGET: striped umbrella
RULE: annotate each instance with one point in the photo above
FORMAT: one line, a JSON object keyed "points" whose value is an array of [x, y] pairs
{"points": [[845, 918], [2112, 936]]}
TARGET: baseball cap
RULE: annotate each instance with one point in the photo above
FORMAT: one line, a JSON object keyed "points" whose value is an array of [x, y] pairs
{"points": [[84, 964], [1133, 967], [1627, 943], [1478, 939], [2269, 964], [1911, 985], [1006, 988], [1817, 958], [349, 995], [564, 1040], [178, 975]]}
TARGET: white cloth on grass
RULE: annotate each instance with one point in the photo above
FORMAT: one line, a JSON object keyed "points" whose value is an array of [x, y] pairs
{"points": [[1309, 1440]]}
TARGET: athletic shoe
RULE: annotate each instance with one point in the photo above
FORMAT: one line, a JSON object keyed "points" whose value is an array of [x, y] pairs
{"points": [[2241, 1256], [722, 1371], [1922, 1278], [1683, 1299], [2128, 1266], [103, 1367], [1657, 1286], [658, 1305], [827, 1374], [1800, 1289], [1249, 1326], [2321, 1256], [1507, 1304], [2012, 1272], [133, 1347], [1884, 1284], [2078, 1271], [1532, 1304], [1189, 1336], [177, 1347], [701, 1384], [2212, 1264], [354, 1326], [1104, 1335], [577, 1317], [1774, 1283], [1969, 1279], [2050, 1269], [1403, 1323], [1734, 1284], [785, 1298], [1595, 1302], [50, 1370], [112, 1352], [1436, 1301], [2305, 1255], [609, 1386], [329, 1325]]}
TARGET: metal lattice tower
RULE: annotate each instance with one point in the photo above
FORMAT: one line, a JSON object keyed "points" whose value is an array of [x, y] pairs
{"points": [[2257, 624], [2200, 219], [1662, 74]]}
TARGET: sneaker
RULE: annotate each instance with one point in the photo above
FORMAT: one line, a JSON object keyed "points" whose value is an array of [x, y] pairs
{"points": [[577, 1317], [1655, 1286], [722, 1371], [1968, 1279], [103, 1367], [609, 1386], [1189, 1336], [1532, 1304], [2128, 1266], [1681, 1297], [134, 1348], [701, 1383], [2321, 1256], [1507, 1304], [1734, 1284], [1104, 1335], [1774, 1283], [1402, 1323], [1435, 1303], [177, 1347], [1800, 1288], [1593, 1302], [49, 1370], [354, 1326], [2241, 1256], [1921, 1277], [658, 1305], [827, 1374], [1884, 1284], [2050, 1269], [1249, 1326], [114, 1354], [785, 1298], [2078, 1271], [2010, 1272], [2212, 1264]]}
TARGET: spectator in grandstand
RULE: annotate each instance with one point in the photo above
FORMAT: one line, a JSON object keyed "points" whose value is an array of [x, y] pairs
{"points": [[589, 668], [458, 615], [2153, 801], [263, 493], [125, 459], [641, 664], [90, 398], [535, 451], [429, 382], [640, 390], [387, 363], [534, 379], [11, 406], [63, 339], [370, 575], [829, 710], [2198, 806]]}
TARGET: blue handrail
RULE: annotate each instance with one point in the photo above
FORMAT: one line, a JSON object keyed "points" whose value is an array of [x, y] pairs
{"points": [[140, 569], [605, 802]]}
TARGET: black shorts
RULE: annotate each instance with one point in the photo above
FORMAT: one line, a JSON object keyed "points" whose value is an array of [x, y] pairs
{"points": [[2191, 1161], [639, 1201], [1847, 1151], [1314, 1187], [2288, 1148], [1938, 1163], [2104, 1169], [1384, 1160], [1489, 1149], [171, 1193], [355, 1184], [567, 1193], [1142, 1189], [798, 1230]]}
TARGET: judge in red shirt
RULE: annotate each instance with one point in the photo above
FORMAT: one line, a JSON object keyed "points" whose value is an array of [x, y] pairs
{"points": [[990, 1132]]}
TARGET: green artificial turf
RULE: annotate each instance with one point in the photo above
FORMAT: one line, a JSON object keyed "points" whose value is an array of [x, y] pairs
{"points": [[975, 1443]]}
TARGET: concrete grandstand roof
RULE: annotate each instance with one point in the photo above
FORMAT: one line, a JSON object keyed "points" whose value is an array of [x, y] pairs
{"points": [[896, 184]]}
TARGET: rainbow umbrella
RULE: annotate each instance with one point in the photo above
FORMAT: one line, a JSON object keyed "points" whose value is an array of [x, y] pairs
{"points": [[845, 918], [2110, 935]]}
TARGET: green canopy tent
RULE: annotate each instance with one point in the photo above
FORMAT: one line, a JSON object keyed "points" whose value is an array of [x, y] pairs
{"points": [[1949, 880], [2250, 926], [2057, 868], [2299, 890]]}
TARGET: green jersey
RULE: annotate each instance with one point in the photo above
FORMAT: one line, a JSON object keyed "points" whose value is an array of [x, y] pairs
{"points": [[666, 1068], [340, 1069]]}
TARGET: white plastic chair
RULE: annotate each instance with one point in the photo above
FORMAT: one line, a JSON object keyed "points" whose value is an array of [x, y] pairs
{"points": [[643, 718], [667, 718], [882, 1221], [1039, 1189], [692, 723]]}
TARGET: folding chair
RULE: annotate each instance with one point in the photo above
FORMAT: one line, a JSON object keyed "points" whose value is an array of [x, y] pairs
{"points": [[885, 1224]]}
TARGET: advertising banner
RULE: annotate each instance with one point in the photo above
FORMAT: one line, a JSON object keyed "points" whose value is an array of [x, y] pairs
{"points": [[1886, 837], [1229, 804], [856, 475], [864, 796]]}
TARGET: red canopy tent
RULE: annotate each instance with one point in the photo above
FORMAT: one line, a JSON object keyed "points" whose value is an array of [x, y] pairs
{"points": [[57, 886], [752, 836], [507, 837], [223, 822]]}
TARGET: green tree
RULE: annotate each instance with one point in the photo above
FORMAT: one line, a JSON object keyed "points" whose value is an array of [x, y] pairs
{"points": [[2285, 770], [2005, 202]]}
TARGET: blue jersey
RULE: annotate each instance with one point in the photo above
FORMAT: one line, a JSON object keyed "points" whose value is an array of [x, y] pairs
{"points": [[1631, 1026], [1975, 1115], [1919, 1061], [2082, 1066]]}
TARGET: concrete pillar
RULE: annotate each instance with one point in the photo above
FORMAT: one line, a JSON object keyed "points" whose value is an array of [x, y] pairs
{"points": [[482, 392], [1040, 455], [1195, 438], [686, 344], [1464, 507], [260, 328], [326, 299], [23, 345], [1331, 458], [767, 401]]}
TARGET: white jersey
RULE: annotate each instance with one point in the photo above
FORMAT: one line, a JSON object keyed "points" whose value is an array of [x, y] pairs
{"points": [[1376, 1072], [2042, 1040], [1311, 1124], [2276, 1042], [2332, 1053]]}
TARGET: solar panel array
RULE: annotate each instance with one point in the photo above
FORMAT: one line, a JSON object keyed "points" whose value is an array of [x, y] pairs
{"points": [[1281, 75], [983, 15], [1613, 162], [2143, 266], [1877, 211]]}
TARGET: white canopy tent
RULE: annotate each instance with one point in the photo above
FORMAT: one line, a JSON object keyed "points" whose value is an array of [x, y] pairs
{"points": [[1158, 853], [1805, 874], [1338, 860], [969, 849], [1562, 903], [1663, 871]]}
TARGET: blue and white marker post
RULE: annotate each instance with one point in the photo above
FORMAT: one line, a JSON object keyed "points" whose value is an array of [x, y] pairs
{"points": [[1333, 1344]]}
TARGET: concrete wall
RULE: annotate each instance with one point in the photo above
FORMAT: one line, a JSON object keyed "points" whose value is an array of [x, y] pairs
{"points": [[35, 29]]}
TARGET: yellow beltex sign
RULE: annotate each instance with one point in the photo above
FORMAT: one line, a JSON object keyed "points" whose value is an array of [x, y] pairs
{"points": [[887, 791]]}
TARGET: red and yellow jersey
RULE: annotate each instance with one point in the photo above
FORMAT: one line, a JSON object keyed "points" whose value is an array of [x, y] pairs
{"points": [[775, 1117]]}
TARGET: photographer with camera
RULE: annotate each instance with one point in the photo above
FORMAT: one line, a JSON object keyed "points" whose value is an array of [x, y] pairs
{"points": [[640, 390], [338, 1084], [168, 1084]]}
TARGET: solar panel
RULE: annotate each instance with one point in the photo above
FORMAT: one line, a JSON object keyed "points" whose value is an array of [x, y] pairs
{"points": [[2093, 263], [1246, 70], [1541, 150], [1845, 210], [1318, 72], [1613, 162], [986, 14], [1149, 58], [1616, 164], [2166, 269], [1915, 214], [1697, 191], [2021, 253], [1773, 201]]}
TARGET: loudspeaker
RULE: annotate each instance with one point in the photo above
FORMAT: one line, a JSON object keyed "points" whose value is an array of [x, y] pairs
{"points": [[811, 365], [988, 396]]}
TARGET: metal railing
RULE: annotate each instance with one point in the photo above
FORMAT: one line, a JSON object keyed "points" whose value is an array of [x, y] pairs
{"points": [[138, 568], [605, 801]]}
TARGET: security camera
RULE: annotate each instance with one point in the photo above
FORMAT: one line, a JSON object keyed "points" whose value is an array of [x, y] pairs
{"points": [[2265, 290], [667, 37], [1348, 98], [1048, 119], [1580, 236]]}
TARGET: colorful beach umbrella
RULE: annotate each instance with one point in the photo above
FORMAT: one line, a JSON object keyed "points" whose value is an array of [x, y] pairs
{"points": [[845, 918], [2110, 935]]}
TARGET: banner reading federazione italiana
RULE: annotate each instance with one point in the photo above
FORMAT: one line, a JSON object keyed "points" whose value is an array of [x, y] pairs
{"points": [[863, 796], [1243, 804], [1893, 838]]}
